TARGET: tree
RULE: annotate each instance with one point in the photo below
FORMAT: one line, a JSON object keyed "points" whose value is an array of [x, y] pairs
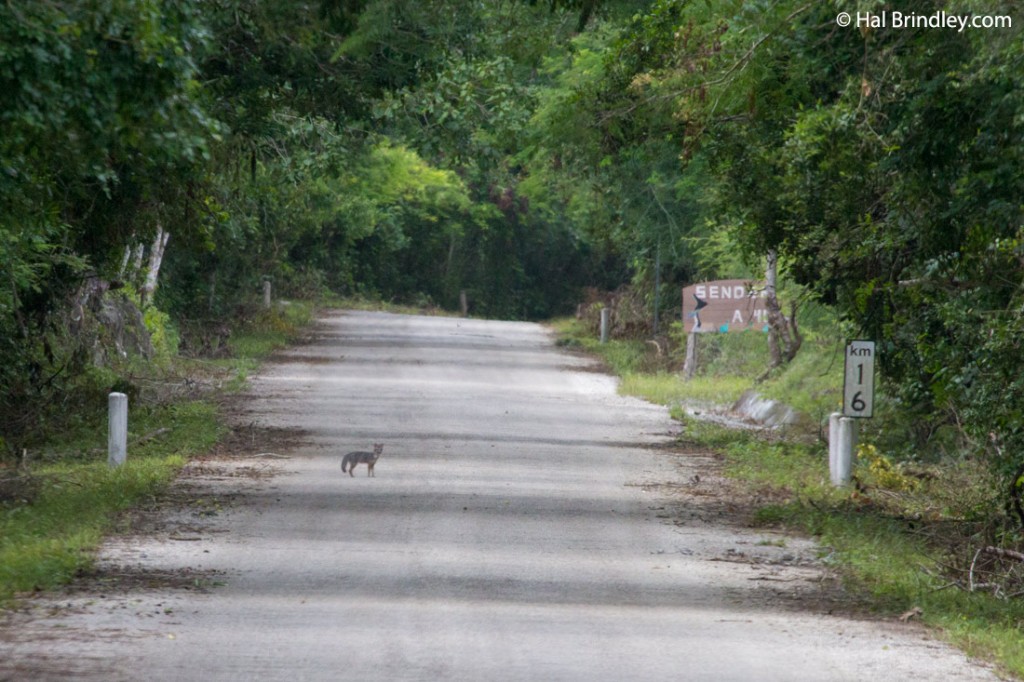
{"points": [[102, 129]]}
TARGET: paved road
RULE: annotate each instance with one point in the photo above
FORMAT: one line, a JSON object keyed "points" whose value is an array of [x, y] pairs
{"points": [[518, 528]]}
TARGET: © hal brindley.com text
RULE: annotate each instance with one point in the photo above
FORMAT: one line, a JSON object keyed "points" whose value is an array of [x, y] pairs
{"points": [[940, 20]]}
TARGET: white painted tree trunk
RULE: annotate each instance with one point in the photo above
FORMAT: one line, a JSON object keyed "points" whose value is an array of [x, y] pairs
{"points": [[140, 251], [156, 257], [121, 274]]}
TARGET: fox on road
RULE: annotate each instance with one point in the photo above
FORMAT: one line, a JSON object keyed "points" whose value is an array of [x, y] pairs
{"points": [[362, 457]]}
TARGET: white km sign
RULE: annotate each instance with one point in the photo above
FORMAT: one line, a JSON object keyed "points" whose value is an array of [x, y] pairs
{"points": [[859, 384]]}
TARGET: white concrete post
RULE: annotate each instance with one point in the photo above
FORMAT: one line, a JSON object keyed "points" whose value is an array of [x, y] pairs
{"points": [[463, 303], [266, 294], [606, 315], [841, 454], [117, 431], [833, 441]]}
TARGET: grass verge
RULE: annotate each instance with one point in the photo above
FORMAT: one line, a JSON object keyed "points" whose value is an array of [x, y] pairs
{"points": [[902, 539], [898, 547], [60, 503], [49, 536]]}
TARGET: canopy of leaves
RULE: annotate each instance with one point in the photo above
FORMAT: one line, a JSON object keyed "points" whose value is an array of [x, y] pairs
{"points": [[519, 151], [884, 164]]}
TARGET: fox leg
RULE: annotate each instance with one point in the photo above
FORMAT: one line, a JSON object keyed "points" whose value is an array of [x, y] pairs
{"points": [[369, 468]]}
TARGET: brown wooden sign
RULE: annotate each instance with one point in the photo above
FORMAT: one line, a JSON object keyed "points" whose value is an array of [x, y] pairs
{"points": [[725, 305]]}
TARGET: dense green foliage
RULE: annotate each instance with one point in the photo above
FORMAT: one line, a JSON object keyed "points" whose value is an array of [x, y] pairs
{"points": [[883, 164], [519, 151]]}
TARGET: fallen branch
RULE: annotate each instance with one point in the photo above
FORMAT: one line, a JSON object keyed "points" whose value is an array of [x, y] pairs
{"points": [[955, 583], [151, 435], [916, 611], [272, 455], [1005, 553], [970, 574]]}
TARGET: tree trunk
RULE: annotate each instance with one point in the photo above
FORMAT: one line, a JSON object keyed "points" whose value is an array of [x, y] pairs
{"points": [[213, 291], [122, 274], [140, 251], [657, 289], [156, 257], [690, 366], [784, 338]]}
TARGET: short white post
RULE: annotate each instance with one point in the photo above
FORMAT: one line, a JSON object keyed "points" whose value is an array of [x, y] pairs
{"points": [[606, 315], [117, 433], [842, 453], [463, 303], [833, 441], [266, 294]]}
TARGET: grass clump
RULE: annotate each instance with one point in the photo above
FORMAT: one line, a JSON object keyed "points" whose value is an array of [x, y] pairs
{"points": [[48, 542]]}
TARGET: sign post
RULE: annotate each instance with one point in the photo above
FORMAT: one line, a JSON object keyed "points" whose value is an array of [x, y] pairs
{"points": [[725, 305], [858, 403]]}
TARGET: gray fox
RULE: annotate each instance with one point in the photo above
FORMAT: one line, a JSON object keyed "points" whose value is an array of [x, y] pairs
{"points": [[369, 458]]}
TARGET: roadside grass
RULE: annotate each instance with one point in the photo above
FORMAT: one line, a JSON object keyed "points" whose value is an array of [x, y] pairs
{"points": [[62, 499], [647, 377], [813, 382], [896, 550], [666, 388], [49, 536], [270, 331], [903, 538], [729, 364]]}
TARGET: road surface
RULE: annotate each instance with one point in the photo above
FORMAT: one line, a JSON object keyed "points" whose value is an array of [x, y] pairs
{"points": [[524, 523]]}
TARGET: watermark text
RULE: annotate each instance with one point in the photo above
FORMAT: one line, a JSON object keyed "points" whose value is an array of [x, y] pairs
{"points": [[941, 20]]}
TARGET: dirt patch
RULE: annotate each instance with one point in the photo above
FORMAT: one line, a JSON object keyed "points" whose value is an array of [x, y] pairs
{"points": [[293, 359], [263, 467], [788, 572], [702, 491], [120, 579], [248, 438], [594, 367]]}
